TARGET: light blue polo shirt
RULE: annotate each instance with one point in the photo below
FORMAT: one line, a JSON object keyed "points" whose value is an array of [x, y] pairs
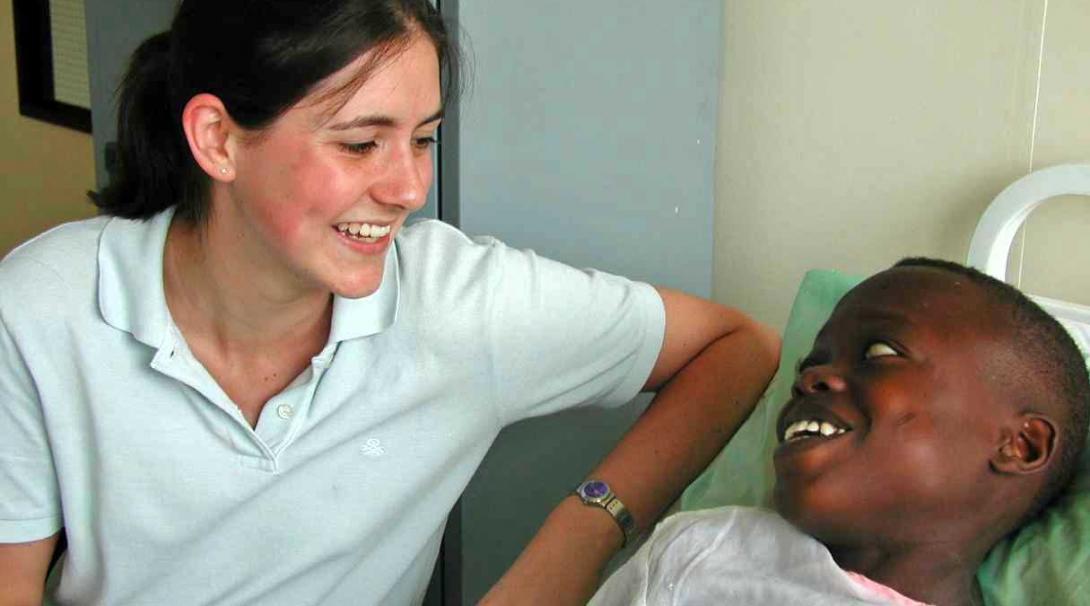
{"points": [[110, 428]]}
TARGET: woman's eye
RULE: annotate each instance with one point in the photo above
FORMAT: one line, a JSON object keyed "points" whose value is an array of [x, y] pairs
{"points": [[359, 148], [879, 349], [424, 142]]}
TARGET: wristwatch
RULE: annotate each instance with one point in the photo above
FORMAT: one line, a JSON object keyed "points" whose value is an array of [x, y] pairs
{"points": [[597, 493]]}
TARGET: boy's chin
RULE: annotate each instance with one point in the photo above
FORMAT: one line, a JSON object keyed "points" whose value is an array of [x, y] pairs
{"points": [[811, 516], [787, 503]]}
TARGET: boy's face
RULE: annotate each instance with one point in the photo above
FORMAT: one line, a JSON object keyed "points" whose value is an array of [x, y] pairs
{"points": [[898, 386]]}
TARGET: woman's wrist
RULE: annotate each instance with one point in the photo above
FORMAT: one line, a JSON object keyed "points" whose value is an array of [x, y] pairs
{"points": [[563, 564], [590, 525]]}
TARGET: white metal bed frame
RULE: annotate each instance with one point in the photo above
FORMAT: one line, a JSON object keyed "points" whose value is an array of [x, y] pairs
{"points": [[990, 247]]}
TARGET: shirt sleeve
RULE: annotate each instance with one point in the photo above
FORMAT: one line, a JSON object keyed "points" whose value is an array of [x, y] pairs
{"points": [[634, 583], [627, 586], [29, 502], [562, 337]]}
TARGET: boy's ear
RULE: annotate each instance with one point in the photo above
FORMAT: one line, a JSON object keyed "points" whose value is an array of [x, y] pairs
{"points": [[1027, 446]]}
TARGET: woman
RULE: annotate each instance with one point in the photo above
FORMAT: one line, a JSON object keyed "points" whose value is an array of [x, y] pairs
{"points": [[247, 383]]}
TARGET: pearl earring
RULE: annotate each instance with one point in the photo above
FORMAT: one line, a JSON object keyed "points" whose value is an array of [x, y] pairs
{"points": [[223, 170]]}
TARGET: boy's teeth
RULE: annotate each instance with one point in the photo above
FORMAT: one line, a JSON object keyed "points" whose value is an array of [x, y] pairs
{"points": [[809, 428]]}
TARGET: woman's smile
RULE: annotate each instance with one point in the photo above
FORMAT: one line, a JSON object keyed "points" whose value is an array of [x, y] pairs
{"points": [[365, 238]]}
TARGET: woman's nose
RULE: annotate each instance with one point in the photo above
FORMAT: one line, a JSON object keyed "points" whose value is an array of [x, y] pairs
{"points": [[818, 379], [405, 182]]}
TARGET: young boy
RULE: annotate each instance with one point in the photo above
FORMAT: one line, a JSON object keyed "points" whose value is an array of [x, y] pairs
{"points": [[938, 410]]}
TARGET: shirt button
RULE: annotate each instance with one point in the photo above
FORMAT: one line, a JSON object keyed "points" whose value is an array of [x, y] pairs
{"points": [[285, 411]]}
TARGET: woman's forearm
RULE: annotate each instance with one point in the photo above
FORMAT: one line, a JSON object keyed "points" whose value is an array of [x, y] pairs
{"points": [[687, 424], [699, 409]]}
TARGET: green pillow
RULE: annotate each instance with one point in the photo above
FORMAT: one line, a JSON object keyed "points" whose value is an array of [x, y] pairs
{"points": [[1045, 562], [742, 474]]}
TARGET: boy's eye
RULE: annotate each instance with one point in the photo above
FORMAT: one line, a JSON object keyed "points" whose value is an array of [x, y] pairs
{"points": [[803, 364], [879, 349]]}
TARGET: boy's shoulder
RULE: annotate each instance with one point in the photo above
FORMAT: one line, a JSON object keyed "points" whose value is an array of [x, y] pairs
{"points": [[731, 532], [729, 555], [737, 534], [717, 520]]}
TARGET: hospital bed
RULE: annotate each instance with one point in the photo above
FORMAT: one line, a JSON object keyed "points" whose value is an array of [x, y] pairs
{"points": [[1046, 562]]}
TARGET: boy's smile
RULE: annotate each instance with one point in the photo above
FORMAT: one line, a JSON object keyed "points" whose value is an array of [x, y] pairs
{"points": [[891, 424], [809, 424]]}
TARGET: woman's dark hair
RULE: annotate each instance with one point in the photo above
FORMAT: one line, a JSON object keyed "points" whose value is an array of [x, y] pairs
{"points": [[259, 57]]}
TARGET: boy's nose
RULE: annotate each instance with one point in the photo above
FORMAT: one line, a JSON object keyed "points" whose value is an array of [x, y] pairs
{"points": [[817, 379]]}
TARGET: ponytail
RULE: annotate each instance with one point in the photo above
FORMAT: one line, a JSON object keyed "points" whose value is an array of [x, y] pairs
{"points": [[259, 58], [155, 169]]}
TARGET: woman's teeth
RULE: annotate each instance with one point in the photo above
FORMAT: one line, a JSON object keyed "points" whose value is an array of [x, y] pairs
{"points": [[364, 232], [810, 428]]}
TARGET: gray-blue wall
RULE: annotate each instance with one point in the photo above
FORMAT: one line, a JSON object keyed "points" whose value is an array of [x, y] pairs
{"points": [[588, 135], [114, 29]]}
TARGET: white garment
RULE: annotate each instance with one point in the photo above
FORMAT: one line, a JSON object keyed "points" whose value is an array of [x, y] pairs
{"points": [[111, 428], [735, 555]]}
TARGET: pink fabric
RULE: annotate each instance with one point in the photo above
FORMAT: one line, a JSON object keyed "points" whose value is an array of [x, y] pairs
{"points": [[882, 591]]}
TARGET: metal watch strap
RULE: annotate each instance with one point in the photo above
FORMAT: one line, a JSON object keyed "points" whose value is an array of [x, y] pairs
{"points": [[624, 519], [598, 494]]}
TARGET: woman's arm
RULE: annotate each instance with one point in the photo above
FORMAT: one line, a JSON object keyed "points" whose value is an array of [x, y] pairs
{"points": [[714, 364], [23, 567]]}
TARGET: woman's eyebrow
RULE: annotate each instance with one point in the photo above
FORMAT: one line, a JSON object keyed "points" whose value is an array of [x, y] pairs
{"points": [[380, 120]]}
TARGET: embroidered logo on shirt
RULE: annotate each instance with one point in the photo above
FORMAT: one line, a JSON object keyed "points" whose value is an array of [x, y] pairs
{"points": [[373, 448]]}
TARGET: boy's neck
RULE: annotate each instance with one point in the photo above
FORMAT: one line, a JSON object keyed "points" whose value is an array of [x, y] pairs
{"points": [[937, 573]]}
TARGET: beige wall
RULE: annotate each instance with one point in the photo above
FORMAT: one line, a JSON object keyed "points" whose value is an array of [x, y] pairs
{"points": [[857, 132], [1057, 254], [45, 170]]}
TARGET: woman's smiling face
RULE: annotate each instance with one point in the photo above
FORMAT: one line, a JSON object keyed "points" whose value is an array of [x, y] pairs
{"points": [[318, 198], [896, 388]]}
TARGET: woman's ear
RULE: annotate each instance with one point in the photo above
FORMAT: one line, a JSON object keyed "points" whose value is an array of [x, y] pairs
{"points": [[1027, 445], [207, 127]]}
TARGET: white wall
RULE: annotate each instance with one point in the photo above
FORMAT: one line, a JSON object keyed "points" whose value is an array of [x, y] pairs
{"points": [[856, 132]]}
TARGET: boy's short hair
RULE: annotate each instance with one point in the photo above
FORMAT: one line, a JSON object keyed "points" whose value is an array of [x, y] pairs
{"points": [[1045, 347]]}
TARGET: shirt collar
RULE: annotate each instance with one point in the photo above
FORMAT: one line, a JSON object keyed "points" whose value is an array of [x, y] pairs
{"points": [[131, 295], [130, 277], [355, 318]]}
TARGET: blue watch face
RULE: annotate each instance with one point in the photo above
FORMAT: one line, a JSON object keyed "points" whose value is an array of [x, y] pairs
{"points": [[595, 489]]}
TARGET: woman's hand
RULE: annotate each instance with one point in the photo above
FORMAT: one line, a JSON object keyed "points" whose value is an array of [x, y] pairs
{"points": [[713, 367]]}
